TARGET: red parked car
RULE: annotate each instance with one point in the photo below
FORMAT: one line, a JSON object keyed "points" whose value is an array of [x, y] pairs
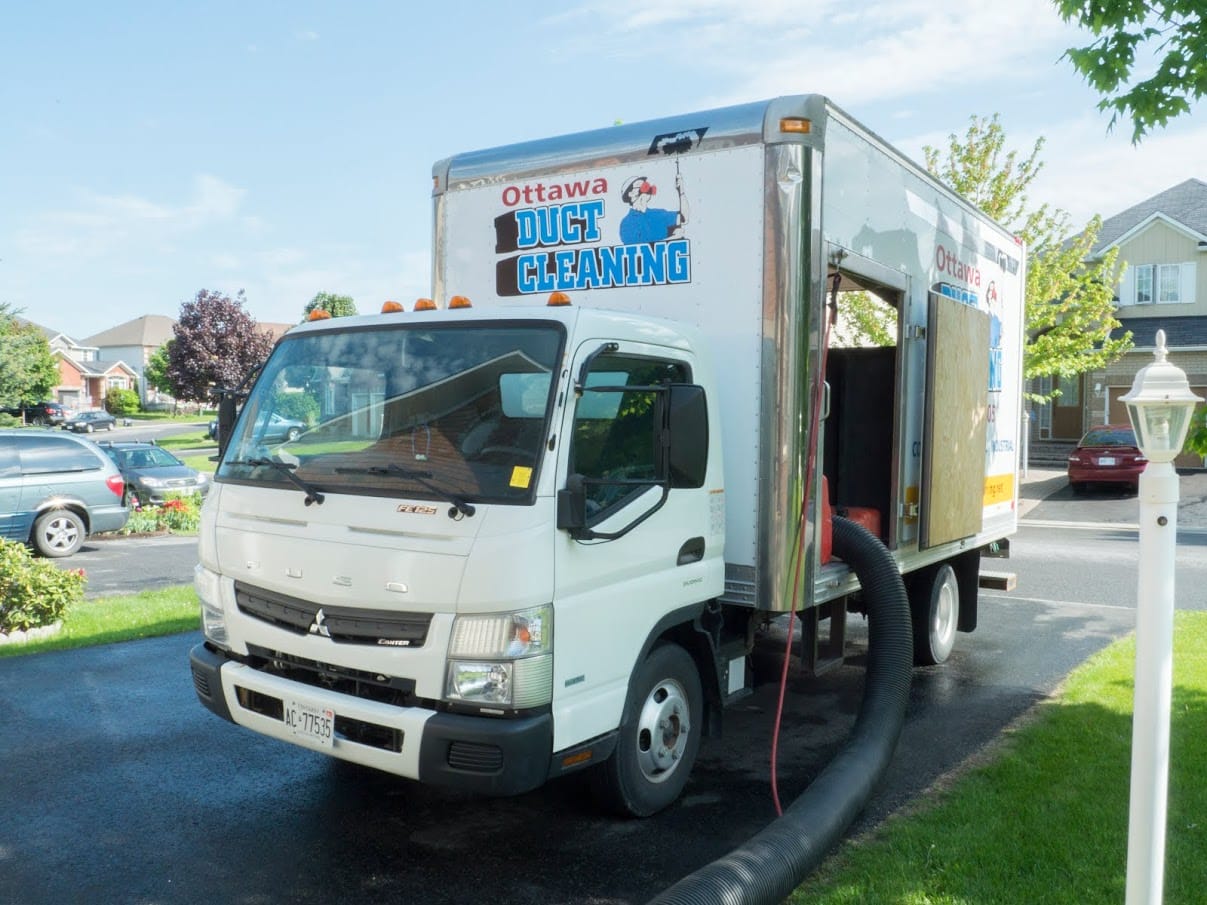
{"points": [[1107, 454]]}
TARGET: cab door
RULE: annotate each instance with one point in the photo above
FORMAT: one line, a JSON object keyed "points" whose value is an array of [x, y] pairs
{"points": [[651, 556]]}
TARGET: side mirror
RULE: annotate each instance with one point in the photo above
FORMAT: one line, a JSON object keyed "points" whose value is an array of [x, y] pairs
{"points": [[226, 420], [687, 436], [572, 506]]}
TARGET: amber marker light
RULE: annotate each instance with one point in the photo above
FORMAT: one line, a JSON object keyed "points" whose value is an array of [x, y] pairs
{"points": [[797, 124], [424, 305], [558, 299], [459, 301], [392, 307], [318, 314]]}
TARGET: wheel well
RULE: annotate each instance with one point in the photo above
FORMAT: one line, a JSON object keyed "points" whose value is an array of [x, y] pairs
{"points": [[695, 641], [70, 506]]}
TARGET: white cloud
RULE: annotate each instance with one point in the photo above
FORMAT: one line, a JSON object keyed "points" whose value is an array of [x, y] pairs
{"points": [[107, 224], [858, 54]]}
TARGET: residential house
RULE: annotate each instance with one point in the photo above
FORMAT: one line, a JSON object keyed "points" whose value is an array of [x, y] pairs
{"points": [[1163, 242], [84, 377], [135, 341]]}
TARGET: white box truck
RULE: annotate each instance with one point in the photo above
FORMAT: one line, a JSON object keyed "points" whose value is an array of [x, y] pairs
{"points": [[533, 526]]}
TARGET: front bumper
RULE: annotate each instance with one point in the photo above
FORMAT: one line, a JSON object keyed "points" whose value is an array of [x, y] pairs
{"points": [[477, 754]]}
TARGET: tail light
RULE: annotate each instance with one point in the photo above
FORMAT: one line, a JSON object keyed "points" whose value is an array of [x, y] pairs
{"points": [[117, 484]]}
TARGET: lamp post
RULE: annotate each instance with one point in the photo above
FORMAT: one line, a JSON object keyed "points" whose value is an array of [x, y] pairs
{"points": [[1159, 405]]}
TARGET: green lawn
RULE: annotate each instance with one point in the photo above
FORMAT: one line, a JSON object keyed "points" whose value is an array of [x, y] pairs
{"points": [[1046, 820], [106, 620]]}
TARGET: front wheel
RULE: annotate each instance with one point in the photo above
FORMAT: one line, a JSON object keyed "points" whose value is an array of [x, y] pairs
{"points": [[659, 736], [59, 532], [935, 606]]}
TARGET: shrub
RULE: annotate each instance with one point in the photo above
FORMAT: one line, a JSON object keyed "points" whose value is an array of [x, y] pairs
{"points": [[178, 514], [121, 402], [7, 420], [298, 406], [34, 592]]}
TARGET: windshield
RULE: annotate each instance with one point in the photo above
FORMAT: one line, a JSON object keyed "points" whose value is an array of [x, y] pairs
{"points": [[151, 457], [450, 413]]}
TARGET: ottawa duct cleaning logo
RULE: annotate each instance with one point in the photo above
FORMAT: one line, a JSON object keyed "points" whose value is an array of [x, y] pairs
{"points": [[555, 235]]}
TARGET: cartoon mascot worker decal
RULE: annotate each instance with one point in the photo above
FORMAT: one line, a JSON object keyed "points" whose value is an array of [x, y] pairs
{"points": [[650, 224]]}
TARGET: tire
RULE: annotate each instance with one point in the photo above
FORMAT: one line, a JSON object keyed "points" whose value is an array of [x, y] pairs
{"points": [[1078, 488], [935, 609], [89, 428], [659, 736], [59, 532], [293, 434]]}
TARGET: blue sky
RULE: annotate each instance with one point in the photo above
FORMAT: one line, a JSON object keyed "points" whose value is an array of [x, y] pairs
{"points": [[149, 150]]}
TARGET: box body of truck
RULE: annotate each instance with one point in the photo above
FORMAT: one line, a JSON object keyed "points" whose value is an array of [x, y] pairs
{"points": [[520, 539]]}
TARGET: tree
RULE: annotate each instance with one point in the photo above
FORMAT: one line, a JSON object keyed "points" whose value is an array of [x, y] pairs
{"points": [[1070, 307], [1174, 28], [335, 305], [217, 343], [155, 372], [28, 367]]}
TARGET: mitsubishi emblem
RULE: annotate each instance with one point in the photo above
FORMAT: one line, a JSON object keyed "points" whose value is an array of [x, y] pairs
{"points": [[318, 627]]}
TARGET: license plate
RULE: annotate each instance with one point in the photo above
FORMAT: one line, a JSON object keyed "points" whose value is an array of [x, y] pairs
{"points": [[1106, 460], [313, 724]]}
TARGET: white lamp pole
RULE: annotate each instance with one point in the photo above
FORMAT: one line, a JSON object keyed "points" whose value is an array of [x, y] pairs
{"points": [[1159, 405]]}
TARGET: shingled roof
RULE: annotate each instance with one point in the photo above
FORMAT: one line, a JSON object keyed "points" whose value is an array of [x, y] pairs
{"points": [[150, 331], [1180, 332], [1185, 203]]}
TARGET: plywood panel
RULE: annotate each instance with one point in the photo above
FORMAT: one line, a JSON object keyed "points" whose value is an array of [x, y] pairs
{"points": [[957, 402]]}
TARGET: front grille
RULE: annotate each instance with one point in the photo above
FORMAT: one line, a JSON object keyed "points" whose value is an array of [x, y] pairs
{"points": [[374, 735], [356, 682], [475, 757], [201, 683], [344, 625]]}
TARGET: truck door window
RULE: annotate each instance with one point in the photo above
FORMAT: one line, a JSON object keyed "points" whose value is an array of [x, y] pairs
{"points": [[614, 430]]}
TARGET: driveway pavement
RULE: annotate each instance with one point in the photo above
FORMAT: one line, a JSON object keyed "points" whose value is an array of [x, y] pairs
{"points": [[1045, 495]]}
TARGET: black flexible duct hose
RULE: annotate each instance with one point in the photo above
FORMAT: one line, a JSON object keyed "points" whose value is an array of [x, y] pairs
{"points": [[775, 860]]}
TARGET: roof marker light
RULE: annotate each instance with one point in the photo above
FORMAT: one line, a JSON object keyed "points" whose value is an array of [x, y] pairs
{"points": [[424, 305], [391, 307], [459, 301], [558, 299], [797, 124], [319, 314]]}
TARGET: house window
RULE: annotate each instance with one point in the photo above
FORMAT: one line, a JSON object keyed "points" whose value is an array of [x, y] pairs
{"points": [[1168, 284], [1144, 284]]}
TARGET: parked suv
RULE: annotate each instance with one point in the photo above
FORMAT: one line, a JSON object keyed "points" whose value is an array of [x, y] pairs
{"points": [[56, 489], [152, 473], [41, 413]]}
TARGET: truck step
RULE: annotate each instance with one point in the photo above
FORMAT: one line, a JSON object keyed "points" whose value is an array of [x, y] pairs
{"points": [[998, 581]]}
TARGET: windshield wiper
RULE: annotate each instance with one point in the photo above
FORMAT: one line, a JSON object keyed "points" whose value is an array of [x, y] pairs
{"points": [[419, 477], [313, 494]]}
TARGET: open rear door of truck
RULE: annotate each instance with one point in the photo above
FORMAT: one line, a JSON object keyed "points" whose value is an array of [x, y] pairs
{"points": [[957, 404]]}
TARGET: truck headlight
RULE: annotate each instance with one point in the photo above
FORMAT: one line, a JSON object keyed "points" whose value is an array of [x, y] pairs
{"points": [[208, 586], [502, 660]]}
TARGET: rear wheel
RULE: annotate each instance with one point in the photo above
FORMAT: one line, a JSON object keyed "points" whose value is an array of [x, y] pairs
{"points": [[935, 606], [59, 532], [659, 736]]}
